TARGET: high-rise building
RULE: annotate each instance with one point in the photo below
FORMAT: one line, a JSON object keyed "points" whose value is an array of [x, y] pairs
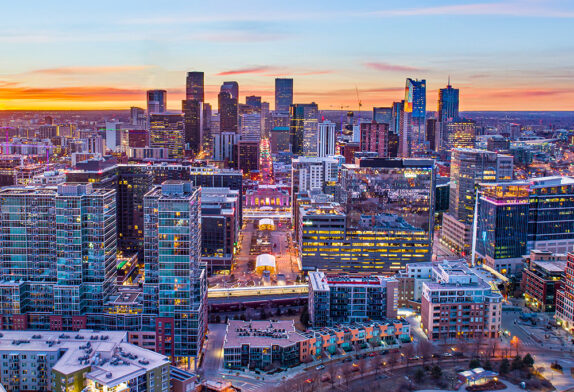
{"points": [[383, 115], [283, 95], [448, 104], [347, 299], [457, 303], [193, 124], [58, 247], [232, 88], [219, 227], [469, 167], [433, 134], [397, 117], [156, 101], [326, 139], [313, 173], [254, 102], [166, 130], [225, 148], [502, 226], [228, 112], [459, 134], [374, 138], [248, 155], [137, 117], [194, 86], [412, 139], [176, 286], [251, 126], [304, 128]]}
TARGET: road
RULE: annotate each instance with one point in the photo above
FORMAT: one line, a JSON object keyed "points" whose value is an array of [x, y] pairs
{"points": [[210, 367]]}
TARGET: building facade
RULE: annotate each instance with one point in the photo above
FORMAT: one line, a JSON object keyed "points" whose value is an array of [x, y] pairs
{"points": [[458, 304]]}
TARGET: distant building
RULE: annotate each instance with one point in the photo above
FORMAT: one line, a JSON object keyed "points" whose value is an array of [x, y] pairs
{"points": [[460, 134], [279, 139], [448, 102], [457, 303], [194, 86], [374, 138], [156, 101], [412, 132], [383, 115], [137, 117], [228, 112], [326, 139], [344, 299], [283, 95], [304, 128], [248, 156], [166, 130]]}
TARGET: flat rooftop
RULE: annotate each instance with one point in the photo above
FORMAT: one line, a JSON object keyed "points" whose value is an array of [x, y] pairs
{"points": [[261, 333]]}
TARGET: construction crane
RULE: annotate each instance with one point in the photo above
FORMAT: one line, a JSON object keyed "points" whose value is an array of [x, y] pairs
{"points": [[359, 101]]}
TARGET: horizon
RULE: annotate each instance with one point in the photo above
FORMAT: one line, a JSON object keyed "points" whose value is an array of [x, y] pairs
{"points": [[505, 55]]}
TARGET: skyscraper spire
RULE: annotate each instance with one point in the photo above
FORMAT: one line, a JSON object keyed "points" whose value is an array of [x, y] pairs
{"points": [[448, 84]]}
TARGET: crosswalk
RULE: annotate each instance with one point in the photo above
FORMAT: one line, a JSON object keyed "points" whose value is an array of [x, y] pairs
{"points": [[251, 386]]}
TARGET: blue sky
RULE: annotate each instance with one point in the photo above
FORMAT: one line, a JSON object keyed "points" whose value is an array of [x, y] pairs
{"points": [[502, 54]]}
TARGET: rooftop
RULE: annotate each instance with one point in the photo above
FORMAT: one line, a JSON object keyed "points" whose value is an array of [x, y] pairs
{"points": [[261, 333]]}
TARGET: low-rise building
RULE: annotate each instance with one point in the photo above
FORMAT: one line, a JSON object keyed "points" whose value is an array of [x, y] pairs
{"points": [[565, 297], [343, 299], [262, 344], [458, 303], [81, 361], [541, 279]]}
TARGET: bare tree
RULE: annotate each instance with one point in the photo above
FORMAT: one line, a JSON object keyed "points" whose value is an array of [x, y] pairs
{"points": [[332, 371], [426, 349], [408, 351], [394, 357]]}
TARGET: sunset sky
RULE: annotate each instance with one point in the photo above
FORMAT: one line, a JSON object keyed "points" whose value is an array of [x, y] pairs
{"points": [[503, 55]]}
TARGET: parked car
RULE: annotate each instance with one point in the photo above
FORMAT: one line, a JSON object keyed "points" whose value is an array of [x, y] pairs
{"points": [[320, 367]]}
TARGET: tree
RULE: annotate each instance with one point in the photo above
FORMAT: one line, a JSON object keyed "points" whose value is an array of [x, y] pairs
{"points": [[425, 348], [436, 372], [504, 367], [419, 375], [517, 363], [474, 363], [528, 361], [487, 365], [394, 357]]}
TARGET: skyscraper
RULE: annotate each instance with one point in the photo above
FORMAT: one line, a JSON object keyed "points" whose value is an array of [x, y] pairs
{"points": [[413, 127], [383, 115], [283, 95], [156, 101], [192, 122], [326, 139], [194, 86], [137, 117], [59, 248], [448, 104], [228, 114], [459, 134], [166, 130], [232, 88], [303, 129], [176, 286], [374, 138], [469, 167], [254, 102]]}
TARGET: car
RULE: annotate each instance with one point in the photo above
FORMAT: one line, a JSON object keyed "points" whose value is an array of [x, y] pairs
{"points": [[372, 354], [320, 367], [348, 359], [385, 352], [447, 355], [309, 381], [355, 368]]}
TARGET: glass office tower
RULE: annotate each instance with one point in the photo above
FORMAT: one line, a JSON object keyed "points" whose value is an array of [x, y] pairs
{"points": [[283, 95]]}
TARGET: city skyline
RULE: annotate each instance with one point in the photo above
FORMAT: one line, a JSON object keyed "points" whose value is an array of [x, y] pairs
{"points": [[505, 55]]}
